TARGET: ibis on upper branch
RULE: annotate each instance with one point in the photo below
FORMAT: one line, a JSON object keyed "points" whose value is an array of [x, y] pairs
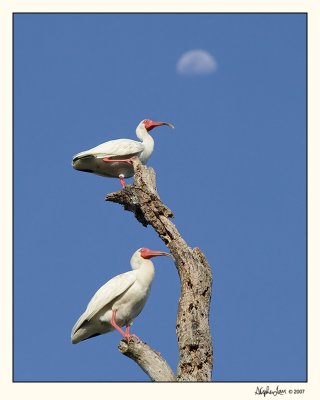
{"points": [[119, 301], [114, 158]]}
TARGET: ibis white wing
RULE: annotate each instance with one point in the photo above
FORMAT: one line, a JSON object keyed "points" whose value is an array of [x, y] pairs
{"points": [[108, 292], [114, 148]]}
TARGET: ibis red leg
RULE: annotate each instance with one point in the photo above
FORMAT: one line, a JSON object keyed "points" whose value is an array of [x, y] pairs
{"points": [[107, 159], [122, 181], [128, 160], [128, 334], [115, 325], [125, 334]]}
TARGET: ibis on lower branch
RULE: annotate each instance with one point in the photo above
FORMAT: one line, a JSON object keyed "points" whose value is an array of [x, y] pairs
{"points": [[118, 302], [113, 159]]}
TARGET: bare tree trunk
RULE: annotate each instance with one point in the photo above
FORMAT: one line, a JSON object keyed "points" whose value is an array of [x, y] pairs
{"points": [[192, 328]]}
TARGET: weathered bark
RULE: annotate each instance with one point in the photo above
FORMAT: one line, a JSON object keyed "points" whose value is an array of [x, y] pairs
{"points": [[148, 359], [192, 328]]}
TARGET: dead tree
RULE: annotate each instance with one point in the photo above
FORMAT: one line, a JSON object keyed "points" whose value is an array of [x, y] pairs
{"points": [[192, 327]]}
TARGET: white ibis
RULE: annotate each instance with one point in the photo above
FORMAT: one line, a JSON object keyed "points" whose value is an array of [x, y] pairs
{"points": [[113, 159], [118, 302]]}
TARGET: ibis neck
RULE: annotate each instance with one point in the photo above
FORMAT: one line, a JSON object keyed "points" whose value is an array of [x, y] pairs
{"points": [[147, 142], [146, 272]]}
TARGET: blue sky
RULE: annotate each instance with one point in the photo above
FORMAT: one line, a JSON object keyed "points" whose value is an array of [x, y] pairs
{"points": [[233, 172]]}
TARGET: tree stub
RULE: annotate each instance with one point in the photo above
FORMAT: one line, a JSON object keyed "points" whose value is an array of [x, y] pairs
{"points": [[148, 359]]}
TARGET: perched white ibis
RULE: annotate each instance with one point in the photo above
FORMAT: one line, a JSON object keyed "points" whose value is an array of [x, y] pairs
{"points": [[119, 301], [113, 158]]}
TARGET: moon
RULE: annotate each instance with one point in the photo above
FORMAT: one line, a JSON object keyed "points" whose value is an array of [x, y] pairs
{"points": [[196, 62]]}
